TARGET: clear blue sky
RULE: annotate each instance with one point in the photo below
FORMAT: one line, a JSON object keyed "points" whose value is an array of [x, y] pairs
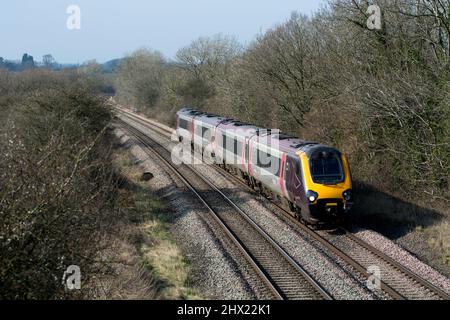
{"points": [[113, 28]]}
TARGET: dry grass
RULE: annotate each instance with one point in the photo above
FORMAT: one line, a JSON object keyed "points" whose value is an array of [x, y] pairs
{"points": [[123, 277], [167, 263], [122, 274], [144, 262]]}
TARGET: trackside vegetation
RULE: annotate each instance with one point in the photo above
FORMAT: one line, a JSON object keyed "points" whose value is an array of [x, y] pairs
{"points": [[67, 199]]}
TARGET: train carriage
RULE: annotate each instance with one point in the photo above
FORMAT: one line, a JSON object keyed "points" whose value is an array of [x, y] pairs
{"points": [[185, 125], [231, 137], [204, 132], [313, 180]]}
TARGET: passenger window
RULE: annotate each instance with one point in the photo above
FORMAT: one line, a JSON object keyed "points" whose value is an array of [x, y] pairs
{"points": [[224, 142], [238, 146], [206, 133], [183, 124], [269, 162]]}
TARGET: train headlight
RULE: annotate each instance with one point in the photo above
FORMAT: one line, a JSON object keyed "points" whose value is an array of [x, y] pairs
{"points": [[348, 195], [312, 196]]}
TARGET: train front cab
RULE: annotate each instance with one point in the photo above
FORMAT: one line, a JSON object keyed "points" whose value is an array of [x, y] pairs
{"points": [[327, 186]]}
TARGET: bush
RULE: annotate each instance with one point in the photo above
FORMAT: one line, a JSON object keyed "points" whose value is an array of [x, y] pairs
{"points": [[56, 183]]}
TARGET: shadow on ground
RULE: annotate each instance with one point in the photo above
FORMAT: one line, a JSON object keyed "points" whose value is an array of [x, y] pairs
{"points": [[388, 215]]}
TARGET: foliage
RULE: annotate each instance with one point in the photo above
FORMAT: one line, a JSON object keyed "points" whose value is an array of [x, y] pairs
{"points": [[56, 182]]}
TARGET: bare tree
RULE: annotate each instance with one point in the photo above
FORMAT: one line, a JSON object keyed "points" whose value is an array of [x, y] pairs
{"points": [[283, 57], [48, 61], [140, 77], [208, 58]]}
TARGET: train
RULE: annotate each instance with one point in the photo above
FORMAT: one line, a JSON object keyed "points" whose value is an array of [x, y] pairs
{"points": [[311, 180]]}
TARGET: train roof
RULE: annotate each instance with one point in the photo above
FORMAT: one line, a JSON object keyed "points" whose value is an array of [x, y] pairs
{"points": [[188, 111], [286, 143], [210, 119], [204, 117], [243, 128]]}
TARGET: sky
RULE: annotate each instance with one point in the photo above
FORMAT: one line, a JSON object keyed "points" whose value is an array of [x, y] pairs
{"points": [[113, 28]]}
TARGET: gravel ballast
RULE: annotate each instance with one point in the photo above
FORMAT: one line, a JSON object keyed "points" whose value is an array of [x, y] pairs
{"points": [[407, 259]]}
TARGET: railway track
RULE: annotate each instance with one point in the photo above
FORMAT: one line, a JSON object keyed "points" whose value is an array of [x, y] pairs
{"points": [[285, 278], [400, 278], [396, 280]]}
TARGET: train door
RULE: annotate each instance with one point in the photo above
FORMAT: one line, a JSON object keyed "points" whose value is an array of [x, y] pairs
{"points": [[219, 145], [293, 177], [213, 142], [250, 165], [192, 130], [247, 154]]}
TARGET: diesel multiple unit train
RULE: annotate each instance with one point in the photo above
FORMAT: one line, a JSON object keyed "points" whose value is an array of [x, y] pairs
{"points": [[311, 180]]}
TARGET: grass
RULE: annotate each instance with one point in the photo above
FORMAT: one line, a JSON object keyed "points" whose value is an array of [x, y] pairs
{"points": [[439, 236], [160, 255]]}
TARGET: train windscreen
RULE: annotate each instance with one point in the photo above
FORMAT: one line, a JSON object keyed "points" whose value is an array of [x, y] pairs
{"points": [[326, 168]]}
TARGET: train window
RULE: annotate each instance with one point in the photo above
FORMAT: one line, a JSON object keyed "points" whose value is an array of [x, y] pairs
{"points": [[297, 169], [326, 168], [263, 159], [237, 147], [230, 145], [268, 162], [206, 133], [277, 166], [227, 144], [183, 124]]}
